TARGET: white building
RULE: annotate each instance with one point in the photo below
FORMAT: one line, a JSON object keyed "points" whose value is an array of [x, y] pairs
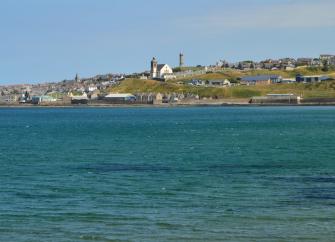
{"points": [[160, 71], [120, 98], [92, 88], [83, 96], [330, 59], [211, 83], [13, 98]]}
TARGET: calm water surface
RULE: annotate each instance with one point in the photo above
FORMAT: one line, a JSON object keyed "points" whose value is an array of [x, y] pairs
{"points": [[156, 174]]}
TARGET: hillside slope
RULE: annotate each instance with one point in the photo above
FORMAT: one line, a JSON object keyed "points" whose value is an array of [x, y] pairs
{"points": [[324, 89]]}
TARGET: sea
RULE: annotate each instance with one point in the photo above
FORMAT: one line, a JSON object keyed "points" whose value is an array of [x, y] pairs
{"points": [[167, 174]]}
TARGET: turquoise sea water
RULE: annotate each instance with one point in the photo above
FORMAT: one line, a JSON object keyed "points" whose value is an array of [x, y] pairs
{"points": [[167, 174]]}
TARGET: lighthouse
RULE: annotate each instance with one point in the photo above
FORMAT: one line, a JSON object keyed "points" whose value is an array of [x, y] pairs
{"points": [[181, 60]]}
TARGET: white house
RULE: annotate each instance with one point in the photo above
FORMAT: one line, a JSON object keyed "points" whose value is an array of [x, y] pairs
{"points": [[92, 88], [211, 83], [161, 71]]}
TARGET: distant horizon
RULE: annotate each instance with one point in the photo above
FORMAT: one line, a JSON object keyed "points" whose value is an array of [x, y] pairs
{"points": [[52, 41]]}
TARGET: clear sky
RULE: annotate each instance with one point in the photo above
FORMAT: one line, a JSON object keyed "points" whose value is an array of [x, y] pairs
{"points": [[51, 40]]}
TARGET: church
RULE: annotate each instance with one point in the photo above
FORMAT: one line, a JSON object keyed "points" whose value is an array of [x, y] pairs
{"points": [[161, 71]]}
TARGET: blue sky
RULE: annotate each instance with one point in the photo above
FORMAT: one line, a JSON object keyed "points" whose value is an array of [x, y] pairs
{"points": [[51, 40]]}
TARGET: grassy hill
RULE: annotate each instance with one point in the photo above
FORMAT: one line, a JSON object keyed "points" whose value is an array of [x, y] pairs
{"points": [[324, 89], [233, 74]]}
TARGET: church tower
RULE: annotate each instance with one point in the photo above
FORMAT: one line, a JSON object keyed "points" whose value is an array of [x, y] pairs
{"points": [[181, 60], [153, 70], [77, 79]]}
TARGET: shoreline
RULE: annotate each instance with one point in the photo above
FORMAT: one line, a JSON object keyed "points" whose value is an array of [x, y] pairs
{"points": [[170, 105]]}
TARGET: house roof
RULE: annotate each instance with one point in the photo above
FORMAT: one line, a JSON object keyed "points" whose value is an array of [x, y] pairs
{"points": [[327, 55], [259, 78], [321, 77], [304, 59], [160, 66], [119, 95]]}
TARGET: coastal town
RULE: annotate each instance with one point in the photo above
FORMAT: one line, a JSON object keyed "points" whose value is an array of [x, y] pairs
{"points": [[219, 83], [171, 121]]}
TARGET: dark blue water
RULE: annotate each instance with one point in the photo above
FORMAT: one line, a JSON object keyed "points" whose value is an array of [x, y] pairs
{"points": [[156, 174]]}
